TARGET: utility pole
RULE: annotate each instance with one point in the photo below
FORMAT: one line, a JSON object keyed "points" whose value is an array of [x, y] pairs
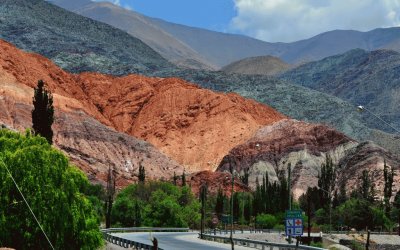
{"points": [[290, 198], [233, 180], [289, 186]]}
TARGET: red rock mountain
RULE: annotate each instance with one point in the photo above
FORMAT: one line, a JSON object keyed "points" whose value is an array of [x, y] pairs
{"points": [[194, 126], [91, 145], [96, 113]]}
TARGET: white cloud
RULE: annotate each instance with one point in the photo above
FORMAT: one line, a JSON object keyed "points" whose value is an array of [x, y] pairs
{"points": [[291, 20], [116, 2]]}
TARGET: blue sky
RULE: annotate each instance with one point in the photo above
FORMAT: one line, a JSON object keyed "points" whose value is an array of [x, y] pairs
{"points": [[273, 20], [209, 14]]}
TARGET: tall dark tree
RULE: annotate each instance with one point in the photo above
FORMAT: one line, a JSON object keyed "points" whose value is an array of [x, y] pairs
{"points": [[342, 197], [326, 181], [43, 112], [367, 188], [142, 173], [203, 199], [396, 204], [310, 203], [388, 175], [219, 204], [183, 179], [110, 195], [175, 179]]}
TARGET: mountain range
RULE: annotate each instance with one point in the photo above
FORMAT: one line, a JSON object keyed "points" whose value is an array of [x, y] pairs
{"points": [[217, 49], [103, 120]]}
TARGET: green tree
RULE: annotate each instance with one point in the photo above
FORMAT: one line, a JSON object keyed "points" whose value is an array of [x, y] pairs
{"points": [[54, 190], [203, 200], [367, 188], [175, 179], [43, 112], [219, 204], [110, 195], [388, 176], [158, 204], [326, 181], [183, 179], [342, 197], [142, 173]]}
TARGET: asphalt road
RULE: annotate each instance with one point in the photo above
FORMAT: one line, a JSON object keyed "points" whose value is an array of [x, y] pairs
{"points": [[176, 241]]}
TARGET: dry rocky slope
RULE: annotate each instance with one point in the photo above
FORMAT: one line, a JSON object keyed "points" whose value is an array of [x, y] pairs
{"points": [[193, 126], [305, 146], [91, 145], [259, 65]]}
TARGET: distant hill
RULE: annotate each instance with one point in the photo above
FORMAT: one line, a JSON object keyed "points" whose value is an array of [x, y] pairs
{"points": [[260, 65], [223, 49], [186, 45], [360, 77], [138, 26], [74, 42]]}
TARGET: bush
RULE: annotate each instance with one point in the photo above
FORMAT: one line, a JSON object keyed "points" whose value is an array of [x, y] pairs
{"points": [[54, 190], [267, 221]]}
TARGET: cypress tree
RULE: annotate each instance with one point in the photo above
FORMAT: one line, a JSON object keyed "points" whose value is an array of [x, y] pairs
{"points": [[326, 181], [110, 195], [183, 179], [142, 173], [43, 112], [219, 205], [388, 176], [175, 179]]}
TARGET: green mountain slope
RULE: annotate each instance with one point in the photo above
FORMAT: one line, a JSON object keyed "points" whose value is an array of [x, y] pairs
{"points": [[371, 79], [74, 42]]}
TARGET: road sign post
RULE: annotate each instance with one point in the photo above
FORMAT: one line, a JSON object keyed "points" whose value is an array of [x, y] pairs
{"points": [[294, 223]]}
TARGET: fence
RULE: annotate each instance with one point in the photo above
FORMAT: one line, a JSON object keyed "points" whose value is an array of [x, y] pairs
{"points": [[257, 244]]}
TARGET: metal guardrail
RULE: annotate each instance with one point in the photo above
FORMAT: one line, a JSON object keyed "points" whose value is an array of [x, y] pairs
{"points": [[145, 229], [133, 244], [256, 243], [127, 243]]}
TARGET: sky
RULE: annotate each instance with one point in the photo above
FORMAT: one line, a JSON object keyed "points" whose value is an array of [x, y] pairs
{"points": [[273, 20]]}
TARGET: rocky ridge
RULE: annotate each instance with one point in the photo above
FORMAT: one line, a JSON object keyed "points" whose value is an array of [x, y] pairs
{"points": [[305, 147]]}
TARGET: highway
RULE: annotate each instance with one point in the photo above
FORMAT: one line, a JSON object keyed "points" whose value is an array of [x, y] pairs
{"points": [[178, 240]]}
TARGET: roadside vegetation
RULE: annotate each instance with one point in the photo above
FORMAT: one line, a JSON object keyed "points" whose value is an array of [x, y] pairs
{"points": [[57, 192]]}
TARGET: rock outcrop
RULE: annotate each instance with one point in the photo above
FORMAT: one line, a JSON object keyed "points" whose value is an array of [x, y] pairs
{"points": [[194, 126], [305, 146]]}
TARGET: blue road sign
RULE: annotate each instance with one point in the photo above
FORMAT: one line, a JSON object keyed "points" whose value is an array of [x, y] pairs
{"points": [[294, 223]]}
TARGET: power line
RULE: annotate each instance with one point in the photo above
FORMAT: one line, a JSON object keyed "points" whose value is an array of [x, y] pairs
{"points": [[23, 197]]}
